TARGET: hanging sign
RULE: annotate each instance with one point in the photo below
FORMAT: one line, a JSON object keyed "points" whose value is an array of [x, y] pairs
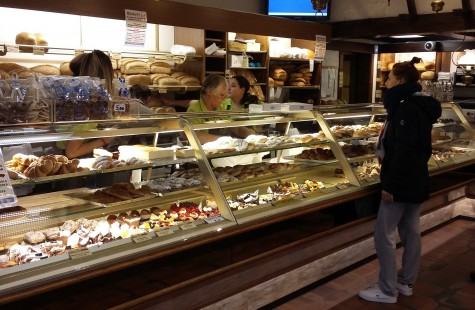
{"points": [[136, 27], [8, 198], [320, 47]]}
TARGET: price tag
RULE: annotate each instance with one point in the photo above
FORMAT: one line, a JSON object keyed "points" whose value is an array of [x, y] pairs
{"points": [[79, 253], [187, 226], [328, 190], [38, 50], [169, 57], [119, 107], [116, 55], [164, 232], [141, 238], [13, 48], [371, 179], [162, 90], [342, 186], [78, 51], [214, 219]]}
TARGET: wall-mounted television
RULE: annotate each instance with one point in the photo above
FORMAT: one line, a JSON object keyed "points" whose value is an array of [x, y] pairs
{"points": [[297, 9]]}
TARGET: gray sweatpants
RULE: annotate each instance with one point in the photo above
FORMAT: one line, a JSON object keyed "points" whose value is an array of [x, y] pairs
{"points": [[405, 217]]}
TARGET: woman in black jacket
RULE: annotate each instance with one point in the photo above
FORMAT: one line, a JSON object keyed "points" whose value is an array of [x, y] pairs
{"points": [[404, 148]]}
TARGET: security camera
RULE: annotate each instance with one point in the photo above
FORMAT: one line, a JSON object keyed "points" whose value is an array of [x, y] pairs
{"points": [[430, 46]]}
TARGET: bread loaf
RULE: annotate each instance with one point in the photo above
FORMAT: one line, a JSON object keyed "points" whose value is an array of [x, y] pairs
{"points": [[22, 73], [296, 75], [271, 82], [41, 40], [189, 81], [4, 75], [25, 38], [64, 69], [46, 70], [140, 79], [428, 75], [9, 66], [278, 83], [160, 67], [279, 74], [115, 64], [177, 74], [154, 77], [168, 81], [136, 67], [297, 84]]}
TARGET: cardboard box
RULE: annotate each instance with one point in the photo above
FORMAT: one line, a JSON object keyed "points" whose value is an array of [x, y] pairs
{"points": [[253, 47], [266, 107], [145, 152], [296, 106]]}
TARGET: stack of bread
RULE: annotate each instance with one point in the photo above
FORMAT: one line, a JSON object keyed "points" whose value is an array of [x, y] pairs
{"points": [[279, 75], [153, 73], [26, 38], [10, 69]]}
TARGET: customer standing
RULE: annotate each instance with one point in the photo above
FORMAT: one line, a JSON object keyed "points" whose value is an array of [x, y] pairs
{"points": [[404, 149]]}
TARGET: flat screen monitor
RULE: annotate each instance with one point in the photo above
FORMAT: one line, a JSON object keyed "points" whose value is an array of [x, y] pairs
{"points": [[297, 9]]}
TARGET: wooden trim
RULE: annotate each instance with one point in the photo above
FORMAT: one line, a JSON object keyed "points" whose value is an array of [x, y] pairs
{"points": [[427, 23], [172, 13]]}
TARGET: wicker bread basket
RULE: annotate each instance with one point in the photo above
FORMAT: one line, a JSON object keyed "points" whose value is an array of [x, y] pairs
{"points": [[237, 46]]}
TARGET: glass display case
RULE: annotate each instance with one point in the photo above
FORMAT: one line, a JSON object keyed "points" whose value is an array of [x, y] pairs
{"points": [[291, 161]]}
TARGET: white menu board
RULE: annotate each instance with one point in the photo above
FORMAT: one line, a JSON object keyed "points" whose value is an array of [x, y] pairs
{"points": [[136, 28]]}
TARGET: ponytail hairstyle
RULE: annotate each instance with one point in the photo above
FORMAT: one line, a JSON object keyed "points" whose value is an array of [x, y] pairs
{"points": [[246, 98], [407, 71]]}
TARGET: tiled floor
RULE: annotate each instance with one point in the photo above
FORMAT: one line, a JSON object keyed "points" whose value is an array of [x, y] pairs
{"points": [[448, 256]]}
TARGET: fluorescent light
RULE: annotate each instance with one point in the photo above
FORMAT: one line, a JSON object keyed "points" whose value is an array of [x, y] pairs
{"points": [[407, 36]]}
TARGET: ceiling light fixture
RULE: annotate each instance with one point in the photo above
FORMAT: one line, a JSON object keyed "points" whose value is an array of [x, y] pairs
{"points": [[407, 36], [319, 5], [437, 5]]}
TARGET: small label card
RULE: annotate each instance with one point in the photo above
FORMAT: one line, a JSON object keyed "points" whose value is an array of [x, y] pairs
{"points": [[78, 51], [116, 55], [187, 226], [79, 253], [214, 219], [342, 186], [38, 50], [13, 48], [164, 232], [141, 238]]}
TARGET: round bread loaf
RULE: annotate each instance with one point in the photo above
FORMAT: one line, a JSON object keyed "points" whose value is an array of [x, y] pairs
{"points": [[278, 83], [41, 40], [4, 75], [177, 74], [189, 81], [300, 84], [64, 69], [168, 81], [136, 67], [140, 79], [46, 70], [25, 38], [9, 66]]}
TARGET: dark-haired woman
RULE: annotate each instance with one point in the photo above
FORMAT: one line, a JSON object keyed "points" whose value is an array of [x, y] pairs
{"points": [[238, 93], [404, 148]]}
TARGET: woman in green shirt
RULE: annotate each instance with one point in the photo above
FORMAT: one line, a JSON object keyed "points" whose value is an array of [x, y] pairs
{"points": [[238, 94]]}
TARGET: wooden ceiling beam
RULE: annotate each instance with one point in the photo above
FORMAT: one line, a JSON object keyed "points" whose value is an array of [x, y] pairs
{"points": [[381, 27]]}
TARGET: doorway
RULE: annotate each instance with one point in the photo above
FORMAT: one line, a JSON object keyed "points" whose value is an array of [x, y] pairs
{"points": [[356, 79]]}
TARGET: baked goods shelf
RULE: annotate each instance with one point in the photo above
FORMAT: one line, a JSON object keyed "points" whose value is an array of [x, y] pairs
{"points": [[249, 68], [145, 54], [171, 161], [269, 149], [47, 179]]}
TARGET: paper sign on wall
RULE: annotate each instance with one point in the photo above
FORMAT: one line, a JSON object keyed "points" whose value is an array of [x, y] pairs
{"points": [[7, 195], [136, 27], [320, 47]]}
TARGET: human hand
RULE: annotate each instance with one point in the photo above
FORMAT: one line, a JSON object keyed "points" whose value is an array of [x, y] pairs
{"points": [[385, 196]]}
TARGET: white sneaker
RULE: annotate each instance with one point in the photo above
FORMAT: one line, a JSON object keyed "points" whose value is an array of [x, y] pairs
{"points": [[405, 289], [373, 293]]}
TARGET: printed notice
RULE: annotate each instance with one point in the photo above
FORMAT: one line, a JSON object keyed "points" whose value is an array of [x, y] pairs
{"points": [[79, 253], [8, 198], [136, 27], [141, 238], [320, 47]]}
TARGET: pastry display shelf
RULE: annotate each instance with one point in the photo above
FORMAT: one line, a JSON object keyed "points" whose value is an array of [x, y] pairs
{"points": [[171, 161], [59, 177], [6, 48], [267, 149]]}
